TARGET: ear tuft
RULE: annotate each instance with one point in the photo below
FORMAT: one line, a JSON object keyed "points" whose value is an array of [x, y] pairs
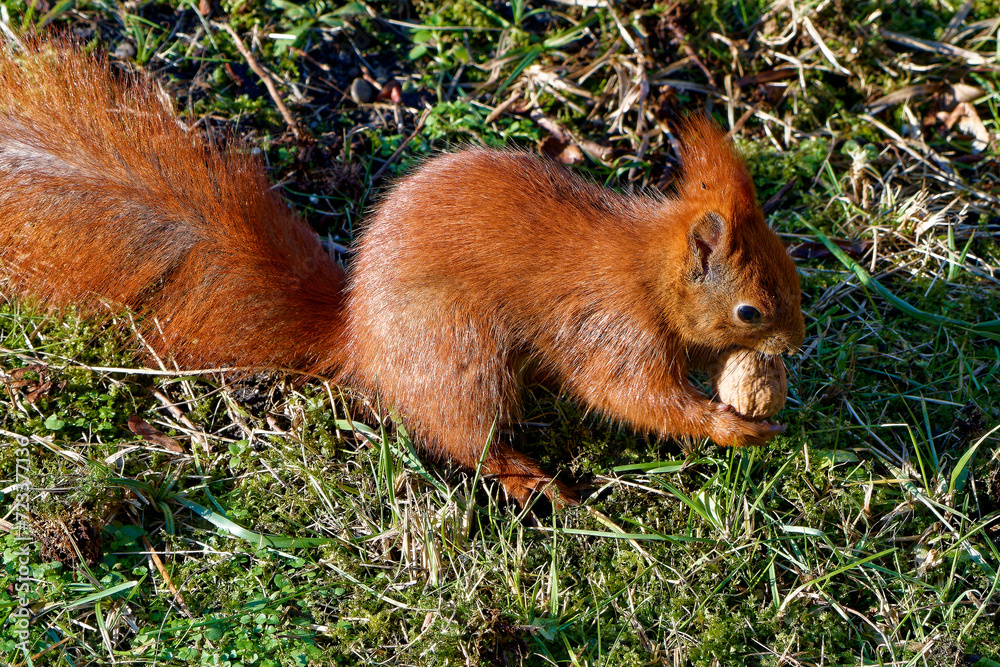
{"points": [[709, 159]]}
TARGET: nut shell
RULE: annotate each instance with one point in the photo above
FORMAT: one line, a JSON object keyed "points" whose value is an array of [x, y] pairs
{"points": [[756, 385]]}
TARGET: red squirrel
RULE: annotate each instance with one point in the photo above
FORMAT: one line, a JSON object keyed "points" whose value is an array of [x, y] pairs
{"points": [[479, 264]]}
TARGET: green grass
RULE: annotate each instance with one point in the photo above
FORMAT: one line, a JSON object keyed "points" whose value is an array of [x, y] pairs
{"points": [[296, 530]]}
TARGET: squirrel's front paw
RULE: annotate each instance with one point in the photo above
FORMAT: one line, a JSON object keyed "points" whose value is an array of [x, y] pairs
{"points": [[732, 430]]}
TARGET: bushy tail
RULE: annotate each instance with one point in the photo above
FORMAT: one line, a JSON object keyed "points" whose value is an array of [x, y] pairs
{"points": [[106, 199]]}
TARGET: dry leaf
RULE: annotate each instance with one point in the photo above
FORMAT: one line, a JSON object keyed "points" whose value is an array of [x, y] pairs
{"points": [[961, 92], [38, 392], [968, 121], [560, 151], [142, 429], [19, 373]]}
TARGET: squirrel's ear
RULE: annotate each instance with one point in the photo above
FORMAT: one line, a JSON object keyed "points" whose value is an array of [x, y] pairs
{"points": [[705, 237]]}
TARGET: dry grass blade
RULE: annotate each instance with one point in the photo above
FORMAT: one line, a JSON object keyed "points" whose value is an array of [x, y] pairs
{"points": [[949, 50], [821, 43]]}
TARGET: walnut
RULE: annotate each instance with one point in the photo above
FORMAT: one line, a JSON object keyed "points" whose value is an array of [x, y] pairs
{"points": [[753, 383]]}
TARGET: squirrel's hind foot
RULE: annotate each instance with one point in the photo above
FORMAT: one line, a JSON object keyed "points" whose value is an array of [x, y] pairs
{"points": [[522, 477]]}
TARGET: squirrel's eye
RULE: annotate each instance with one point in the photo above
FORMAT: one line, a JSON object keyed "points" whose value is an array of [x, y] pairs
{"points": [[747, 314]]}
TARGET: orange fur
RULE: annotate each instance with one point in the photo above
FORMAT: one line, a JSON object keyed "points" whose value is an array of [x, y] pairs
{"points": [[105, 198], [475, 266], [482, 259]]}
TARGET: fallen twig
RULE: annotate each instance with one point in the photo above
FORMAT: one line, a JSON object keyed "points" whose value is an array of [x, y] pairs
{"points": [[398, 151], [268, 83]]}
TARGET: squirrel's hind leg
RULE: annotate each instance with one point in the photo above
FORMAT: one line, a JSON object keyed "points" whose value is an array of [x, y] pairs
{"points": [[476, 413], [454, 383], [520, 475]]}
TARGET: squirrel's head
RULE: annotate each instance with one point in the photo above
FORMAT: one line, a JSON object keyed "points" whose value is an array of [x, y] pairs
{"points": [[735, 284]]}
